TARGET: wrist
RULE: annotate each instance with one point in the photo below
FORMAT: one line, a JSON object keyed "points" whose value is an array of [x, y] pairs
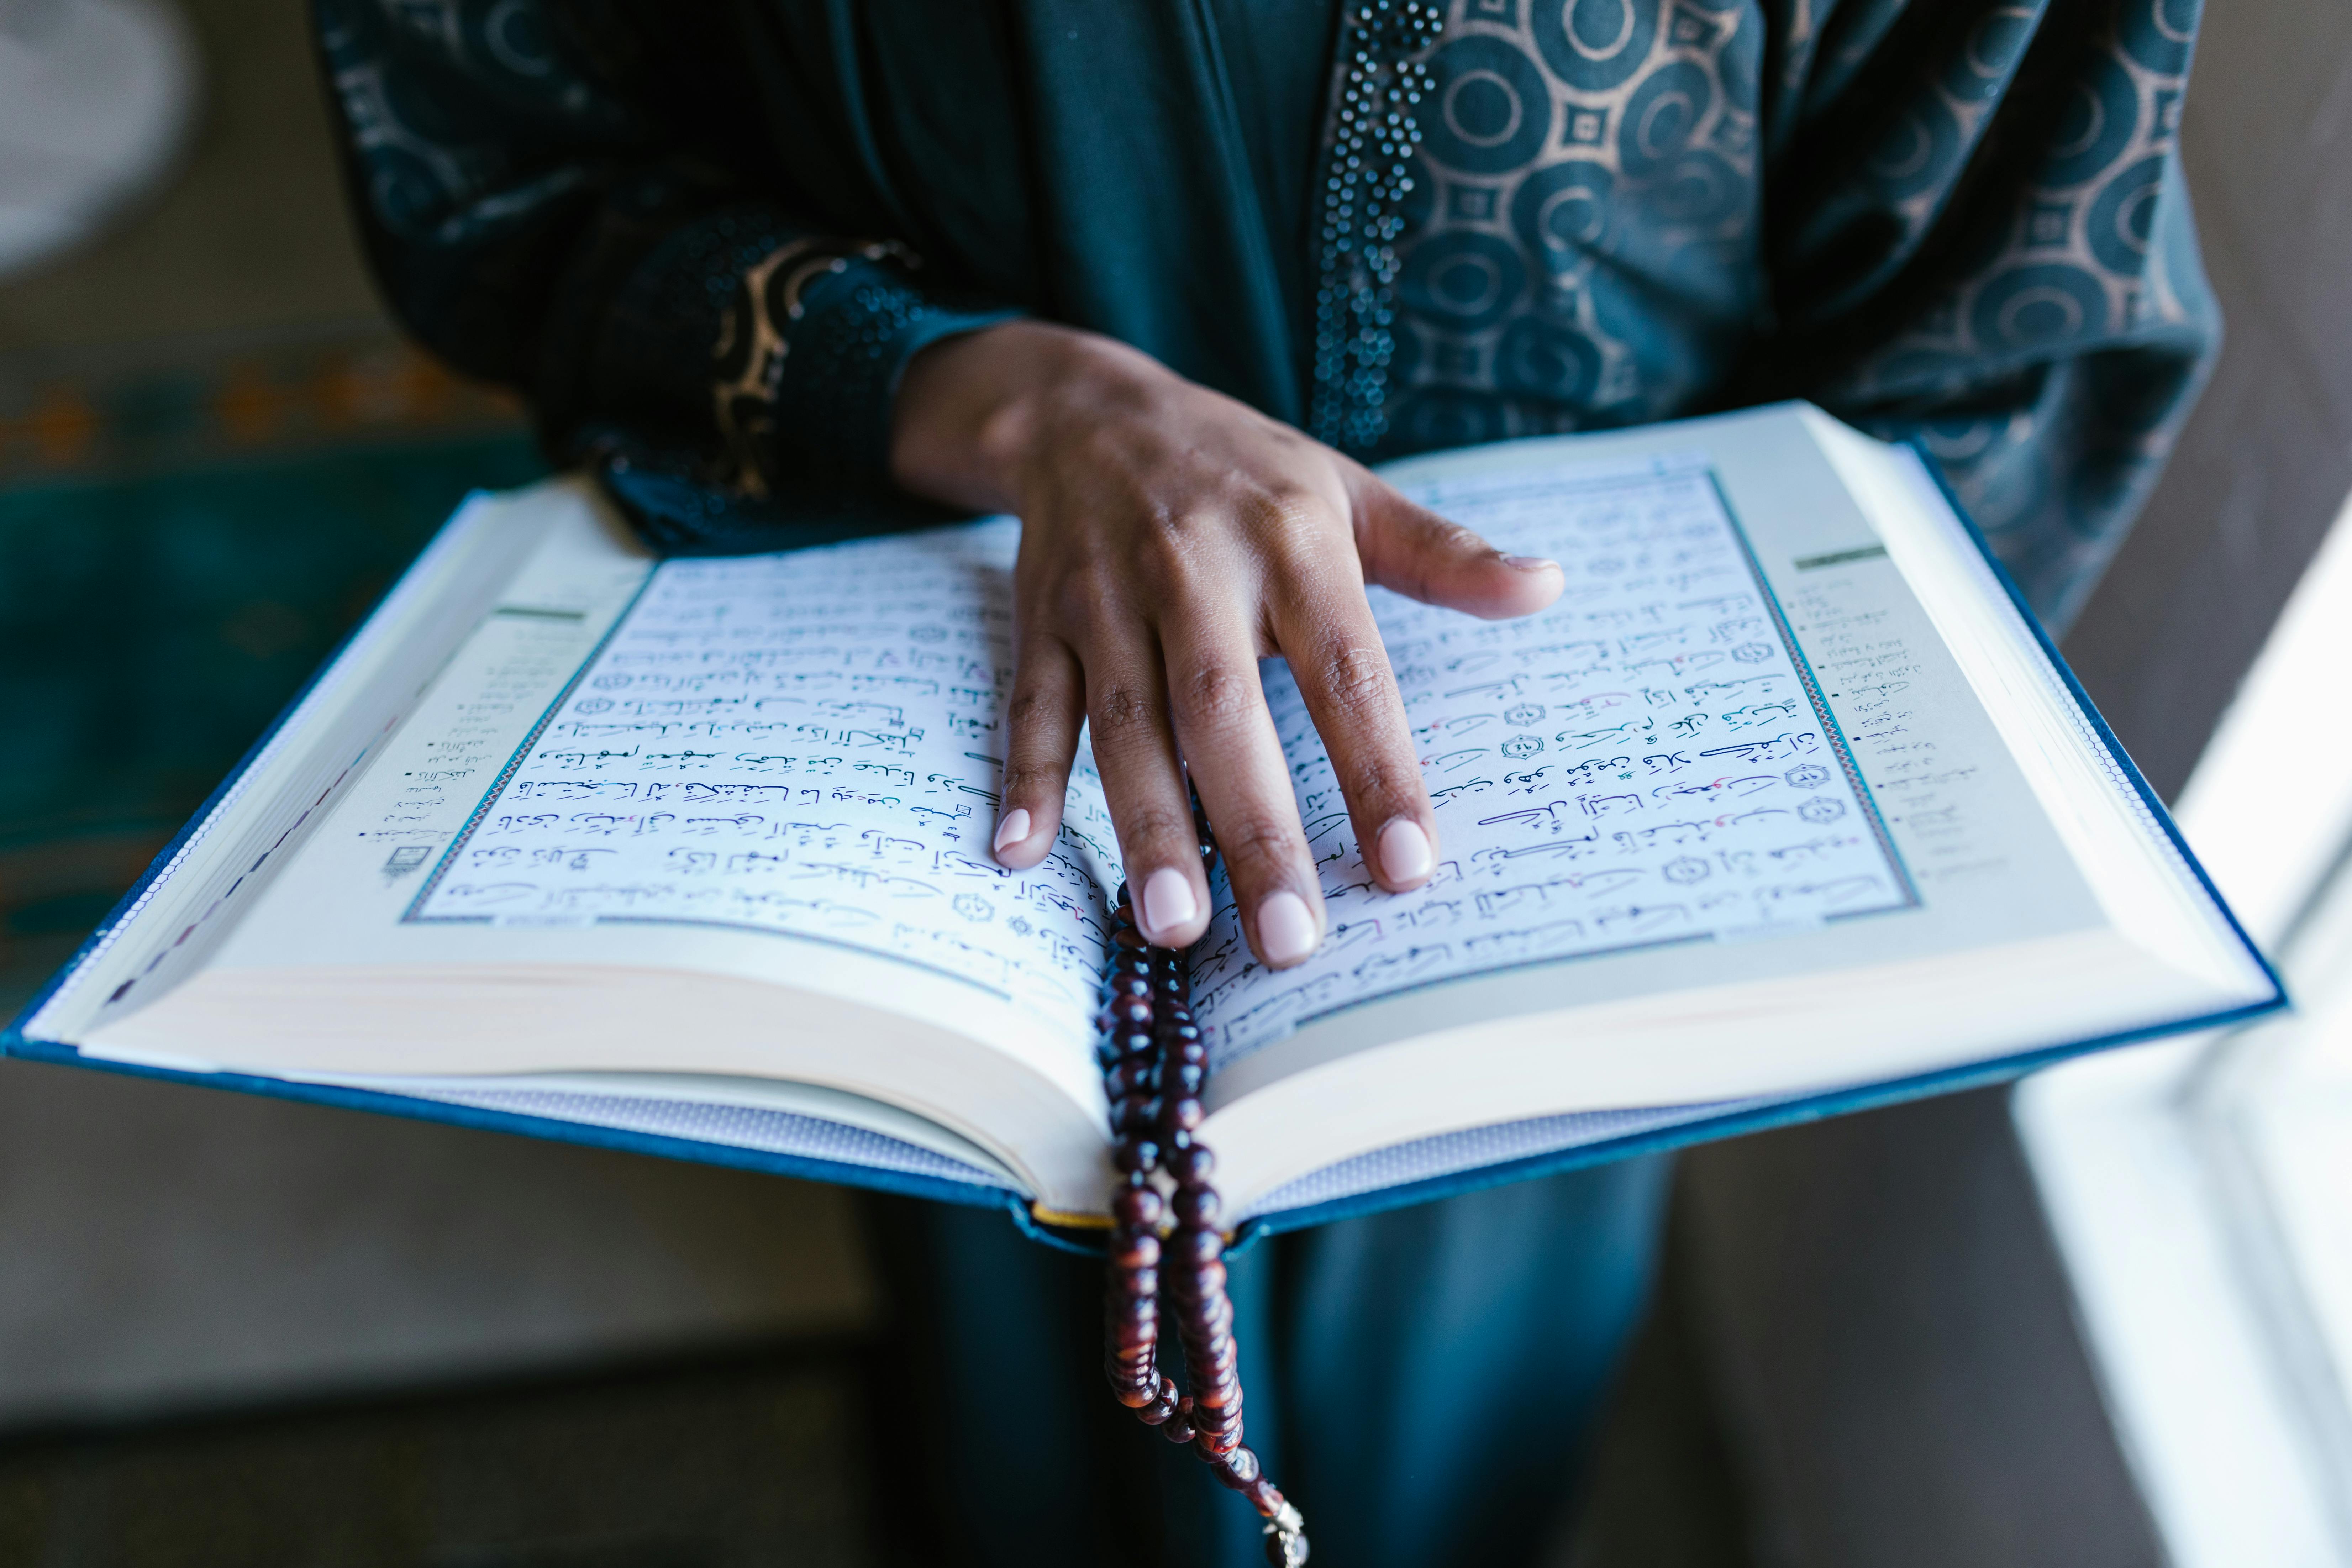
{"points": [[974, 410]]}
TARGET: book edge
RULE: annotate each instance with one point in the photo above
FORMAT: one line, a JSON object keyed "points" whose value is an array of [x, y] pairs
{"points": [[14, 1036], [412, 1107], [2105, 735], [1783, 1113]]}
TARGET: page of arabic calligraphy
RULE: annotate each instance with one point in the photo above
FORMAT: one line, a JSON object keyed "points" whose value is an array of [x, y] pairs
{"points": [[1648, 762], [805, 744]]}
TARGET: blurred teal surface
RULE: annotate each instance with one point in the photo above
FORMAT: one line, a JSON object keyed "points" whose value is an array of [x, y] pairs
{"points": [[152, 627]]}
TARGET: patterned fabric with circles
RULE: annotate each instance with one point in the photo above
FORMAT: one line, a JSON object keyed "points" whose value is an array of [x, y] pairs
{"points": [[1961, 221]]}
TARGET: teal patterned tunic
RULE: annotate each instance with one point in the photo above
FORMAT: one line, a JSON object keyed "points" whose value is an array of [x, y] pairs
{"points": [[704, 239]]}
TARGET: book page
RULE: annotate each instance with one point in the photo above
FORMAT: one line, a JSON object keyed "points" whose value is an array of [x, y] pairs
{"points": [[805, 744], [267, 814], [1647, 763]]}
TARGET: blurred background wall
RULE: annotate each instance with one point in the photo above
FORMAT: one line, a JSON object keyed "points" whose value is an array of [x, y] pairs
{"points": [[2266, 461]]}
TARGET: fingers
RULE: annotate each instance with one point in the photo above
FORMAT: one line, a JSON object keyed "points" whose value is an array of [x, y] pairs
{"points": [[1228, 737], [1136, 752], [1041, 737], [1333, 646], [1418, 553]]}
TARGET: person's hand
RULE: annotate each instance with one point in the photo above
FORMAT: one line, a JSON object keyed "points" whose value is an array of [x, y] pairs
{"points": [[1171, 538]]}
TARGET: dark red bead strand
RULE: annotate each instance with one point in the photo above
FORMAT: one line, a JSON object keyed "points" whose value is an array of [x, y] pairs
{"points": [[1167, 1251]]}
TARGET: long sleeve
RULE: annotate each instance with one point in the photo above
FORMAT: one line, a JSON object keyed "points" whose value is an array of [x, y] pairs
{"points": [[1980, 238], [551, 205]]}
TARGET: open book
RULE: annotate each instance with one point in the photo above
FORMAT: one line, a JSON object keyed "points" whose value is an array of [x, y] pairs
{"points": [[1783, 805]]}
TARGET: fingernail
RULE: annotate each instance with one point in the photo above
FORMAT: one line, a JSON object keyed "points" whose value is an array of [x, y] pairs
{"points": [[1168, 902], [1530, 563], [1012, 829], [1405, 854], [1285, 929]]}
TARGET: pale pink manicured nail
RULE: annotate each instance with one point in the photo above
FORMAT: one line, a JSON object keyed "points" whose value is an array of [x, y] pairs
{"points": [[1405, 854], [1530, 563], [1285, 929], [1168, 902], [1012, 830]]}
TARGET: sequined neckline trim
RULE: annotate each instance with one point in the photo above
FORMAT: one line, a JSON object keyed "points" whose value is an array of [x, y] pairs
{"points": [[1383, 75]]}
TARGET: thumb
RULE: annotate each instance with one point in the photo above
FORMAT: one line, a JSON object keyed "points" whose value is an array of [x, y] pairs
{"points": [[1416, 553]]}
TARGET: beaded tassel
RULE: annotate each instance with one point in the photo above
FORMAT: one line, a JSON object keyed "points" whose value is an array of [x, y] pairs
{"points": [[1382, 81], [1165, 1245]]}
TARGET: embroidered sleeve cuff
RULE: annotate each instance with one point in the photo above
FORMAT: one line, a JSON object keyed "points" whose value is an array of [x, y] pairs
{"points": [[810, 358], [859, 324], [653, 346], [742, 383], [779, 349]]}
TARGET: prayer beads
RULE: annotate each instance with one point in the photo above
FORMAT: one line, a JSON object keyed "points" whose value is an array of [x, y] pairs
{"points": [[1165, 1247]]}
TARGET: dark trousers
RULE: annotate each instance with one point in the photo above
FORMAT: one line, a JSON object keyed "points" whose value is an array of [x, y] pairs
{"points": [[1423, 1382]]}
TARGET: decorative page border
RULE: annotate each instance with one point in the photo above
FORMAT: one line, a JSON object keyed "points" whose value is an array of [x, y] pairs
{"points": [[1654, 469]]}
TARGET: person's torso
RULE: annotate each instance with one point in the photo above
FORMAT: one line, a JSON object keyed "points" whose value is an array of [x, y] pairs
{"points": [[1579, 246]]}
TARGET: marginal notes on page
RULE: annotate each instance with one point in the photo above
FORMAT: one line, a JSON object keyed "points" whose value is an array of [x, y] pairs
{"points": [[805, 744], [1930, 788], [1645, 762]]}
